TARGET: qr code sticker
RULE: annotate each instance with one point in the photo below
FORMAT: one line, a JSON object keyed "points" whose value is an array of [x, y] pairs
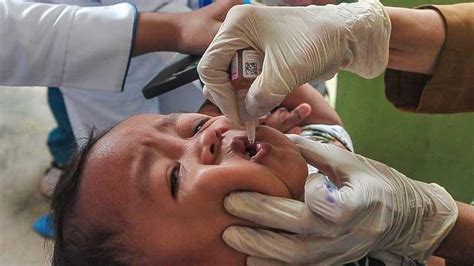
{"points": [[250, 69]]}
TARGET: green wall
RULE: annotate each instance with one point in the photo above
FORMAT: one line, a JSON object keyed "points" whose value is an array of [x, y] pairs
{"points": [[431, 148]]}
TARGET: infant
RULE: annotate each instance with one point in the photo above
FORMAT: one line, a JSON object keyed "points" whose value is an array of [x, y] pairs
{"points": [[150, 191]]}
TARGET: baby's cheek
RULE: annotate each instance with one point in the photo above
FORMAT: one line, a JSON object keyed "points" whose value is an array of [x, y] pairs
{"points": [[245, 176], [216, 184], [258, 178]]}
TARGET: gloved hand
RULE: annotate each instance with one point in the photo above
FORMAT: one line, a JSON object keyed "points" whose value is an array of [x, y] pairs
{"points": [[300, 44], [375, 209]]}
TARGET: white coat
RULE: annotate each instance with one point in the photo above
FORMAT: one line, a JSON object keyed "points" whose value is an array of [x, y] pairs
{"points": [[53, 45]]}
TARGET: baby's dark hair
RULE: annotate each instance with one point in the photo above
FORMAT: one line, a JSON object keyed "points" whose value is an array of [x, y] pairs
{"points": [[78, 242]]}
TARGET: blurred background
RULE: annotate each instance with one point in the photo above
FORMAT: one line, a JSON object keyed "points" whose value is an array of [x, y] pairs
{"points": [[431, 148], [25, 121]]}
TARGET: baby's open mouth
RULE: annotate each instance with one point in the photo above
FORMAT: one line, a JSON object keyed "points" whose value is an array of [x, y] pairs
{"points": [[251, 151]]}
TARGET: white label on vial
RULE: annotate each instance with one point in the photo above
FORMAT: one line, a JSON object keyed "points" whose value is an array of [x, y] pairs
{"points": [[251, 63]]}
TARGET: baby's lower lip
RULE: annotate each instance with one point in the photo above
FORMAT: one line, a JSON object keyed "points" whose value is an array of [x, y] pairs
{"points": [[263, 149]]}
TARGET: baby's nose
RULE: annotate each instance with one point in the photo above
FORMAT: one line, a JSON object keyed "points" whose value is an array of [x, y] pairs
{"points": [[211, 142]]}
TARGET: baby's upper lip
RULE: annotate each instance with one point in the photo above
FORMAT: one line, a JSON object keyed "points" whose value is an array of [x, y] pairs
{"points": [[239, 145]]}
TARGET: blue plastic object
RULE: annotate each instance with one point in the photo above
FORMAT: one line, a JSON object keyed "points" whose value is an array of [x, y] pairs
{"points": [[203, 3], [44, 226]]}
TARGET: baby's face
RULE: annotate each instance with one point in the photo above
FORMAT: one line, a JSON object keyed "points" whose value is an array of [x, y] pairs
{"points": [[165, 177]]}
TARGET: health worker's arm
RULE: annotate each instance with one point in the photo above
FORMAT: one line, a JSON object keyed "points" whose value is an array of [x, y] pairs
{"points": [[64, 45], [458, 246], [432, 59], [90, 47], [189, 33]]}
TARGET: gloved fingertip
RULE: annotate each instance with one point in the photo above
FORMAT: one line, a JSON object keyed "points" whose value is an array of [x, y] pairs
{"points": [[228, 234], [229, 203], [232, 236], [241, 203]]}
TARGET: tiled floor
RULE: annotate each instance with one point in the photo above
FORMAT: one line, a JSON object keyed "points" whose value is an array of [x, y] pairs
{"points": [[24, 124]]}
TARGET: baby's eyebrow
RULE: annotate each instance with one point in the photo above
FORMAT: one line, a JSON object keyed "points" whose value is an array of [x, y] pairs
{"points": [[169, 121]]}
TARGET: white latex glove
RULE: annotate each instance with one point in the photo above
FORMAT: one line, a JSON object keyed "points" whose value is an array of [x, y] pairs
{"points": [[299, 44], [375, 209]]}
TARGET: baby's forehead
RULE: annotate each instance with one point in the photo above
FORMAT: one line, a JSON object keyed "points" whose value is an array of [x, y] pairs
{"points": [[117, 148], [129, 130]]}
